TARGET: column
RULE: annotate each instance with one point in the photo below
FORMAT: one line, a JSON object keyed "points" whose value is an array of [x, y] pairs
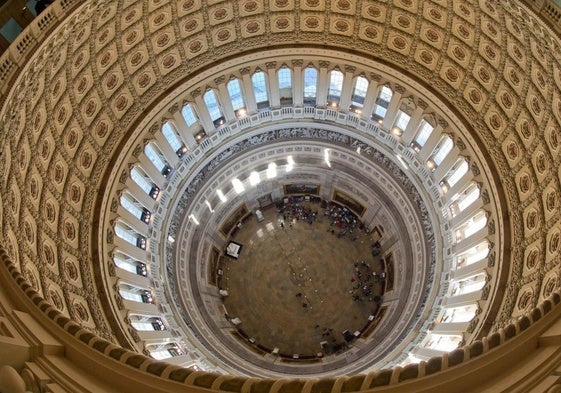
{"points": [[140, 308], [224, 99], [297, 84], [202, 111], [323, 84], [169, 154], [185, 132], [471, 241], [151, 171], [247, 86], [431, 143], [459, 186], [140, 195], [132, 221], [393, 107], [442, 170], [150, 336], [274, 96], [427, 353], [413, 126], [462, 300], [469, 270], [133, 251], [467, 213], [132, 278], [450, 328], [371, 95], [347, 90]]}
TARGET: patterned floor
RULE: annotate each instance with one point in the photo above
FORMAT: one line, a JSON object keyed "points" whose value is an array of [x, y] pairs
{"points": [[299, 283]]}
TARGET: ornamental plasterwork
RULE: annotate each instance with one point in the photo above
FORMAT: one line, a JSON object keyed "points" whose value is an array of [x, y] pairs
{"points": [[58, 80]]}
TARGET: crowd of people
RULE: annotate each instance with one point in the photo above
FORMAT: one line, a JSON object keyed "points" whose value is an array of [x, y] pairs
{"points": [[363, 282]]}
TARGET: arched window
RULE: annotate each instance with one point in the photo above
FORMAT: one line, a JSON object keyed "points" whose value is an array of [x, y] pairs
{"points": [[472, 255], [213, 108], [135, 293], [382, 102], [146, 322], [135, 208], [335, 87], [423, 134], [441, 151], [468, 285], [129, 235], [401, 121], [125, 262], [471, 226], [173, 139], [144, 182], [236, 97], [459, 314], [464, 199], [360, 88], [260, 90], [156, 157], [284, 76], [443, 342], [188, 115], [310, 86], [164, 350], [455, 174]]}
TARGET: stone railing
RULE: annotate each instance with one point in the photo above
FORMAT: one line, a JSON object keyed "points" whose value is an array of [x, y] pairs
{"points": [[205, 380]]}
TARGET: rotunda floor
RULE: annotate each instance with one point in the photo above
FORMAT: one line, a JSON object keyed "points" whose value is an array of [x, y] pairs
{"points": [[303, 285]]}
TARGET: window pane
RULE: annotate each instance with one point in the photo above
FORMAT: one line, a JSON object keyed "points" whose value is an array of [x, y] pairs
{"points": [[135, 297], [154, 157], [126, 234], [235, 92], [424, 133], [131, 207], [335, 86], [140, 179], [402, 120], [259, 87], [285, 78], [212, 105], [125, 264], [310, 85], [359, 91], [188, 115], [457, 173], [382, 102], [443, 150], [171, 136]]}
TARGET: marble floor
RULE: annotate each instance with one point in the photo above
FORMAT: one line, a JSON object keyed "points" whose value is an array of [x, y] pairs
{"points": [[298, 283]]}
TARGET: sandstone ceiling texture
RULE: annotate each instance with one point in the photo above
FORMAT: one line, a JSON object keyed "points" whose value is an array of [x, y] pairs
{"points": [[80, 103]]}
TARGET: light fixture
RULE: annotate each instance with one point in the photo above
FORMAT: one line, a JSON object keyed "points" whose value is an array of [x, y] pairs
{"points": [[194, 219], [430, 164], [238, 185], [272, 170], [290, 163], [221, 195], [254, 178], [171, 239], [209, 206], [326, 157], [397, 131]]}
